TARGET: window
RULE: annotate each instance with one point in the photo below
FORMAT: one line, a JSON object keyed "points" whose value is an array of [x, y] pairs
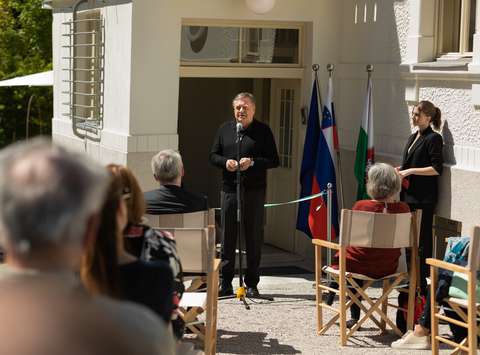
{"points": [[456, 26], [84, 63], [240, 45]]}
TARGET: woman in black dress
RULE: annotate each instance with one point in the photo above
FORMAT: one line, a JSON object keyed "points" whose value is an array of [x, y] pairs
{"points": [[421, 167]]}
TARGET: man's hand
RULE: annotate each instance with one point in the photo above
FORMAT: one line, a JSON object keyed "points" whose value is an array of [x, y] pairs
{"points": [[231, 165], [245, 163]]}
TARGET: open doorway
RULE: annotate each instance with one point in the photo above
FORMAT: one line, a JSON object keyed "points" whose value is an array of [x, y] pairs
{"points": [[205, 103]]}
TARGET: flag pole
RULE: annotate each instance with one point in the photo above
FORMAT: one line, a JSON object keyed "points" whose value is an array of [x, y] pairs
{"points": [[369, 72], [316, 68], [331, 68]]}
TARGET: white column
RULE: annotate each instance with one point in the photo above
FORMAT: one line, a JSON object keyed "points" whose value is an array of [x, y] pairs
{"points": [[475, 65], [421, 39]]}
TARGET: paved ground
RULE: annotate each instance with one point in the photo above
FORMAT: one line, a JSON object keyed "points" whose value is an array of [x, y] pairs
{"points": [[287, 325]]}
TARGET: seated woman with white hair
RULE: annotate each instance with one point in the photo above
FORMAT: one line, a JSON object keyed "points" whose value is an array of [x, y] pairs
{"points": [[383, 186]]}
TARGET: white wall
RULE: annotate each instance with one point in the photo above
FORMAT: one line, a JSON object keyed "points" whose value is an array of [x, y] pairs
{"points": [[403, 34], [113, 145]]}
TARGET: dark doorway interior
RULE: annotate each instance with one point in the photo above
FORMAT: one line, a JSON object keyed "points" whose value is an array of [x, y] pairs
{"points": [[204, 103]]}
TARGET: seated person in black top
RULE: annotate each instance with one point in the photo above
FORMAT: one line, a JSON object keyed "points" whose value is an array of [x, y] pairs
{"points": [[170, 197], [108, 269]]}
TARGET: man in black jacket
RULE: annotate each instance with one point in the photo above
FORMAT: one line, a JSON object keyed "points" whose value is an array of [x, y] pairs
{"points": [[258, 153], [170, 197]]}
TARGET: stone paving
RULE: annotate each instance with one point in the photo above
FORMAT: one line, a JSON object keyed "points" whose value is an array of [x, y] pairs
{"points": [[287, 325]]}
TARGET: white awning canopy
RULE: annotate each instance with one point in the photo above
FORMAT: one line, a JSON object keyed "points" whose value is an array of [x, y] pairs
{"points": [[38, 79]]}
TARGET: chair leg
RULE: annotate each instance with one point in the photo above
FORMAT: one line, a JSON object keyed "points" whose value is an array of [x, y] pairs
{"points": [[318, 292], [383, 324], [433, 311], [375, 307]]}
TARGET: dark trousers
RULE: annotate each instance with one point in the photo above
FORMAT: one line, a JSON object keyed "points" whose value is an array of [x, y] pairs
{"points": [[425, 320], [354, 308], [253, 220], [425, 245]]}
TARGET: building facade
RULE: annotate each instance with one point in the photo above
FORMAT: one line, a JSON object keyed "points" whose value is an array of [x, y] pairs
{"points": [[167, 69]]}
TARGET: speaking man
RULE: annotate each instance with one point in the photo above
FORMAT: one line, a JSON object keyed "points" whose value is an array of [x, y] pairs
{"points": [[258, 153]]}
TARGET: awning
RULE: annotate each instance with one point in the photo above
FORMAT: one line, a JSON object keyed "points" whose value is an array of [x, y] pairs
{"points": [[38, 79]]}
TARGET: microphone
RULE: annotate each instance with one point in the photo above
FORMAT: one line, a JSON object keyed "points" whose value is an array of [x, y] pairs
{"points": [[239, 127]]}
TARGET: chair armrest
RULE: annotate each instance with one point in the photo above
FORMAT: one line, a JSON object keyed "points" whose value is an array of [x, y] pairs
{"points": [[326, 244], [444, 265], [216, 264]]}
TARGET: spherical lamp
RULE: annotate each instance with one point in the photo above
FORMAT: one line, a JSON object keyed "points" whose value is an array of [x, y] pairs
{"points": [[260, 6]]}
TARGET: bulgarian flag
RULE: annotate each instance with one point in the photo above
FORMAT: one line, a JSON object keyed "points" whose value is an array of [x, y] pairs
{"points": [[365, 156]]}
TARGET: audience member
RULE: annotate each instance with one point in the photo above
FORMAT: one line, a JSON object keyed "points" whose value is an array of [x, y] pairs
{"points": [[49, 204], [108, 269], [170, 197], [146, 243], [40, 319], [383, 187]]}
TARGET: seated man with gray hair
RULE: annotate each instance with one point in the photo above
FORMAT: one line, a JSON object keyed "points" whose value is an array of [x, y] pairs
{"points": [[170, 197], [49, 210]]}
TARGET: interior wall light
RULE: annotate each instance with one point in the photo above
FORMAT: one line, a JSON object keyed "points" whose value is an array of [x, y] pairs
{"points": [[260, 6]]}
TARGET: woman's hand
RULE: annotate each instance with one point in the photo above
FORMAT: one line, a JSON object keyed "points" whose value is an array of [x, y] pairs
{"points": [[404, 173]]}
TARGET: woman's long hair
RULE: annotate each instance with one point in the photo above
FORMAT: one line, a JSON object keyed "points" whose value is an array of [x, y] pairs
{"points": [[131, 189], [99, 267]]}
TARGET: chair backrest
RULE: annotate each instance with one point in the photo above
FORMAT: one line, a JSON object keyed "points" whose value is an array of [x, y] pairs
{"points": [[183, 220], [377, 230], [474, 251], [195, 247], [443, 228]]}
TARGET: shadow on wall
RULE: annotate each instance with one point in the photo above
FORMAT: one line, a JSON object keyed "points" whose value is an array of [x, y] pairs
{"points": [[444, 206], [448, 152]]}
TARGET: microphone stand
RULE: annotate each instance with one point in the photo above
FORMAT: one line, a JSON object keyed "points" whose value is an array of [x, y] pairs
{"points": [[241, 292]]}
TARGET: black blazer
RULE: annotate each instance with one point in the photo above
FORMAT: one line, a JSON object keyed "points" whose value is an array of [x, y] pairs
{"points": [[173, 199], [426, 151]]}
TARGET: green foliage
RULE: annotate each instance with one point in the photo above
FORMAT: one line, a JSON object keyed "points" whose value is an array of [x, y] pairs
{"points": [[25, 48]]}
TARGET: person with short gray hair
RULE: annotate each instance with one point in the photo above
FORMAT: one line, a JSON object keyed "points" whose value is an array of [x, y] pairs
{"points": [[383, 181], [47, 196], [49, 209], [383, 186], [171, 197], [254, 143], [167, 166]]}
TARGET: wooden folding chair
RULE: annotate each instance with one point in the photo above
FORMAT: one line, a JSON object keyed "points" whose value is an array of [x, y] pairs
{"points": [[374, 230], [443, 228], [200, 219], [471, 304], [196, 249]]}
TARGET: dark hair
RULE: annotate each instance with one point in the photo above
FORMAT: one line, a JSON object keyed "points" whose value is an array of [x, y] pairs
{"points": [[131, 189], [99, 267], [431, 111]]}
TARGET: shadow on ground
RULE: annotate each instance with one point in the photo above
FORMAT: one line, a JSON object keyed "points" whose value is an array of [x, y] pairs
{"points": [[251, 343]]}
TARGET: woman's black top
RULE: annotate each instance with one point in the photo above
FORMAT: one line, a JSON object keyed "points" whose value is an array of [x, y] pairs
{"points": [[425, 151], [150, 284]]}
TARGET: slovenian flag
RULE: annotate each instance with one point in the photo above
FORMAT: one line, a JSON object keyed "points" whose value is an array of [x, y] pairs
{"points": [[365, 155], [315, 221]]}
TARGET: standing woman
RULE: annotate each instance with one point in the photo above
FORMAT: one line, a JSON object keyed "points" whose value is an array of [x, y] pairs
{"points": [[422, 165]]}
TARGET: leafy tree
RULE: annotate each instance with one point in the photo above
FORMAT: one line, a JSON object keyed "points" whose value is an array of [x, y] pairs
{"points": [[25, 48]]}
